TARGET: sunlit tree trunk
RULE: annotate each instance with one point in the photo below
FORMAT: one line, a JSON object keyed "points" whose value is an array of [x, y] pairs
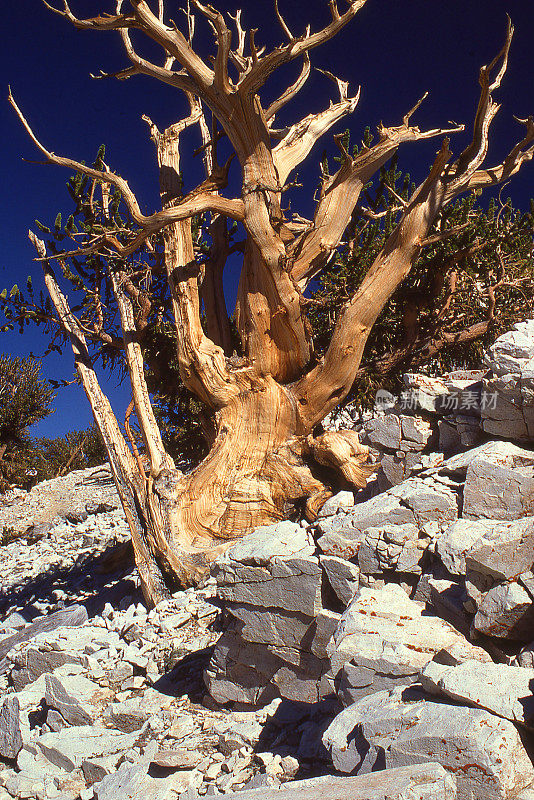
{"points": [[269, 458]]}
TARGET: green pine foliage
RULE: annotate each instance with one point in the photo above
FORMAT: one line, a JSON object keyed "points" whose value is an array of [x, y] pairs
{"points": [[487, 247], [496, 241], [51, 458], [25, 398], [41, 459]]}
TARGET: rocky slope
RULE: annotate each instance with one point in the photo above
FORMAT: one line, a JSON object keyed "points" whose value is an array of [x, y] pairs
{"points": [[384, 651], [97, 694]]}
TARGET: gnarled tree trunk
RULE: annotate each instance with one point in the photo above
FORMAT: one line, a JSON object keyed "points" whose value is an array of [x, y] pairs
{"points": [[266, 460]]}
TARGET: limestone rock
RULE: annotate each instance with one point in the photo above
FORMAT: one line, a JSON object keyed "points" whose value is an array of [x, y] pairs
{"points": [[484, 752], [419, 782], [68, 750], [456, 541], [272, 626], [130, 782], [96, 768], [272, 567], [394, 468], [509, 411], [339, 501], [248, 672], [526, 657], [510, 414], [34, 662], [392, 547], [507, 612], [75, 615], [512, 351], [10, 735], [177, 759], [385, 639], [428, 500], [342, 576], [425, 393], [69, 707], [416, 501], [502, 689], [384, 432], [506, 550], [415, 433], [130, 715], [499, 484]]}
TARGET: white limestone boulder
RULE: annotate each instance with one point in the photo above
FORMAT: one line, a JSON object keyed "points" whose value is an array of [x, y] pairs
{"points": [[500, 485], [512, 351], [500, 688], [508, 410], [506, 611], [392, 547], [418, 782], [505, 551], [385, 730], [385, 639], [273, 567], [416, 501], [384, 432], [10, 734], [343, 577]]}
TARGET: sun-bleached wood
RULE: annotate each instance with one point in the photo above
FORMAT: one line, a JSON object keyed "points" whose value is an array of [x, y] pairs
{"points": [[267, 457]]}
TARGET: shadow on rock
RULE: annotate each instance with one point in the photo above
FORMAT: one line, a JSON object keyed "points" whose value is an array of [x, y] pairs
{"points": [[91, 582]]}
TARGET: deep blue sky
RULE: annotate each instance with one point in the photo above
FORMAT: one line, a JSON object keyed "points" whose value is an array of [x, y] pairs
{"points": [[396, 49]]}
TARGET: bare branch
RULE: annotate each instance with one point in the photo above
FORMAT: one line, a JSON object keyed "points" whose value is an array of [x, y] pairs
{"points": [[159, 459], [106, 177], [492, 176], [290, 92], [473, 155], [174, 43], [224, 41], [411, 112], [121, 74], [327, 384], [201, 199], [144, 67], [334, 9], [340, 194], [241, 34], [105, 22], [282, 22], [343, 86], [127, 479], [392, 191], [446, 234], [295, 48], [255, 53], [298, 142], [190, 22]]}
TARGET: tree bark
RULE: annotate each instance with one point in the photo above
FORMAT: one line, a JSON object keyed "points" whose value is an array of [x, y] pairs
{"points": [[267, 459], [261, 469]]}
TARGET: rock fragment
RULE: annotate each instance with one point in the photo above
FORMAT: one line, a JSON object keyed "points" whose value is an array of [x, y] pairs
{"points": [[384, 639], [482, 751], [500, 688], [506, 612], [10, 735]]}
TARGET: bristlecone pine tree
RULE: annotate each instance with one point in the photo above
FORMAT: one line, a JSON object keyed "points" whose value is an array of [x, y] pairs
{"points": [[268, 456]]}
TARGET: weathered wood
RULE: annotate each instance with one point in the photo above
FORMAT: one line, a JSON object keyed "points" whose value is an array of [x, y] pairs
{"points": [[267, 457]]}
